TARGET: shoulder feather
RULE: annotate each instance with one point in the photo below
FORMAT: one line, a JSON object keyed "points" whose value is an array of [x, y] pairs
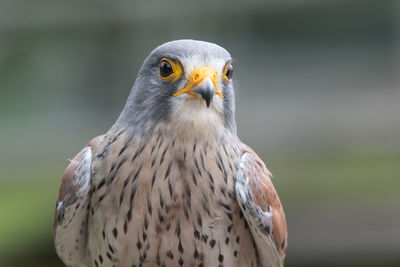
{"points": [[261, 204]]}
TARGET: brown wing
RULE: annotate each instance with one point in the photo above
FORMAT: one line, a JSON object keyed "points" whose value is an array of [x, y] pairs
{"points": [[70, 218], [262, 208]]}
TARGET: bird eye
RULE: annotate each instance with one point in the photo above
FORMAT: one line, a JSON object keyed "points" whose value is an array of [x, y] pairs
{"points": [[170, 70], [228, 71], [165, 69]]}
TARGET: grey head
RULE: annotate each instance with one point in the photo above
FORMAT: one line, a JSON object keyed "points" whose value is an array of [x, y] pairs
{"points": [[182, 80]]}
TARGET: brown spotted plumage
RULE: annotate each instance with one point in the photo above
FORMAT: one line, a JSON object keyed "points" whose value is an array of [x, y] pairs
{"points": [[170, 184], [261, 204]]}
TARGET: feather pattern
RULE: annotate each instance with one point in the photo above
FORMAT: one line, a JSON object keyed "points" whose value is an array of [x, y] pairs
{"points": [[70, 218], [262, 208]]}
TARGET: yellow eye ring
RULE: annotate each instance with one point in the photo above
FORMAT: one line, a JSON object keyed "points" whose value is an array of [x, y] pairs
{"points": [[228, 72], [170, 70]]}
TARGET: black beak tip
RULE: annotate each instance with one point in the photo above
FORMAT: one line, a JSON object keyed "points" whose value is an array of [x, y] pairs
{"points": [[207, 94], [208, 102]]}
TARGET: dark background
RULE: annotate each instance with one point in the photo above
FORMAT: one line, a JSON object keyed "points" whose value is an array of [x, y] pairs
{"points": [[317, 97]]}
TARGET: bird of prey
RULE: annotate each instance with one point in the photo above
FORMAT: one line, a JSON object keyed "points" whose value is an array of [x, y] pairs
{"points": [[171, 184]]}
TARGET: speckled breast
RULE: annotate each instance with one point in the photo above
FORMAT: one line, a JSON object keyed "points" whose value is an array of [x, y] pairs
{"points": [[165, 201]]}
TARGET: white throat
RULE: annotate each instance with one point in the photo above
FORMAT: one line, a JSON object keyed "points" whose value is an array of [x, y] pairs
{"points": [[191, 119]]}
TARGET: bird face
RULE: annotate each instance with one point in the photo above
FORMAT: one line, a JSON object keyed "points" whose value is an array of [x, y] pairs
{"points": [[202, 82], [185, 81]]}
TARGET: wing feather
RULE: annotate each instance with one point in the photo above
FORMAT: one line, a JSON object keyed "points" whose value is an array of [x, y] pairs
{"points": [[70, 218], [262, 208]]}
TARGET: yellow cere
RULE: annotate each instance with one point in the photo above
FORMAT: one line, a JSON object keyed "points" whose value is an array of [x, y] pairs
{"points": [[177, 70], [196, 77]]}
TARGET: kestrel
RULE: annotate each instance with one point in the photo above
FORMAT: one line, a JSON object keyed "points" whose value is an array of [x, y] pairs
{"points": [[170, 184]]}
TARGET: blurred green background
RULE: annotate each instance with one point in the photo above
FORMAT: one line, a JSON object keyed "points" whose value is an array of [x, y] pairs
{"points": [[317, 97]]}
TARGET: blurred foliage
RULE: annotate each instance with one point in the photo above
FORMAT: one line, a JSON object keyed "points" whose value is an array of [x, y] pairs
{"points": [[338, 180]]}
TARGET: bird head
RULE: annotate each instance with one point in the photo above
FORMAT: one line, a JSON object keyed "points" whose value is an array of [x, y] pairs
{"points": [[184, 82]]}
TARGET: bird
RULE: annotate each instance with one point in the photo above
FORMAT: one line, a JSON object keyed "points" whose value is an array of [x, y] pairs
{"points": [[170, 183]]}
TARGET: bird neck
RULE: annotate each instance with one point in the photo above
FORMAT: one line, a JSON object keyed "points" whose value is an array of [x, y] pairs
{"points": [[188, 129]]}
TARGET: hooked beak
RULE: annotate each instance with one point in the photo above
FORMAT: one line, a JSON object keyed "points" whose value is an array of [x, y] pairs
{"points": [[205, 89], [202, 83]]}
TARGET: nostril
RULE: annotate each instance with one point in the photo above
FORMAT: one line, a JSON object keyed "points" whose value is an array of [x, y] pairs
{"points": [[196, 76]]}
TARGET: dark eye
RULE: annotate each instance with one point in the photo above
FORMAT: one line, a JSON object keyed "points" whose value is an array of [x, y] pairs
{"points": [[228, 71], [170, 70], [165, 69]]}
